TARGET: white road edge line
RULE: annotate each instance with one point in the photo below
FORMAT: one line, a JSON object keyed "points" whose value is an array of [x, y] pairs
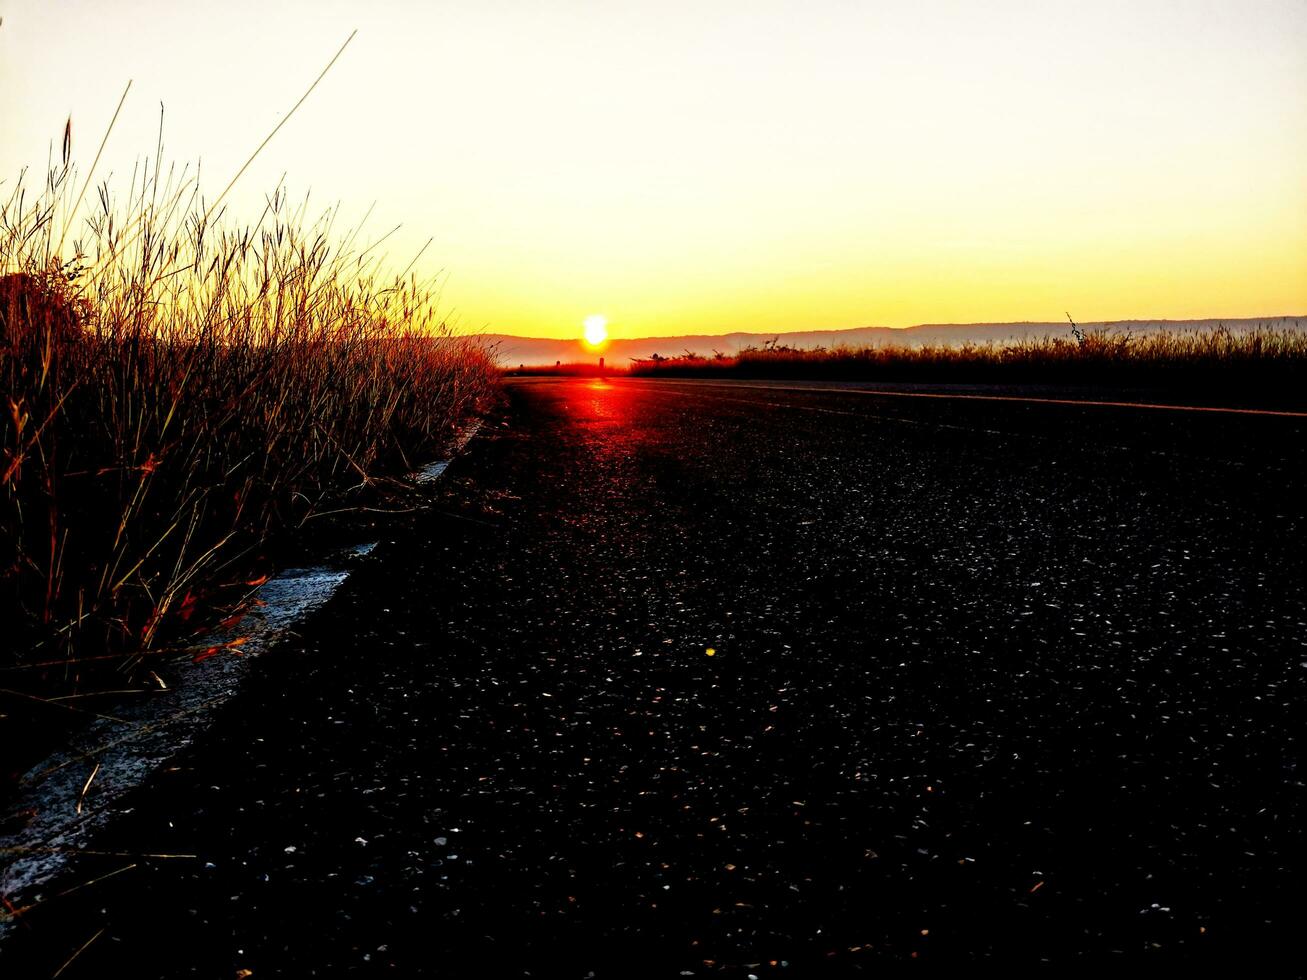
{"points": [[1028, 399]]}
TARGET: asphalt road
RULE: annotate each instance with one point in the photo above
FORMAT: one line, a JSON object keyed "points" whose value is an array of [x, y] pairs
{"points": [[683, 679]]}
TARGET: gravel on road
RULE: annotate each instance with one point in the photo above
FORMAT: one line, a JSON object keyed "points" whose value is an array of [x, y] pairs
{"points": [[682, 680]]}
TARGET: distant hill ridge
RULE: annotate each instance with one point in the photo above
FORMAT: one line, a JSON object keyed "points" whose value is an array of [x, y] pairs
{"points": [[511, 350]]}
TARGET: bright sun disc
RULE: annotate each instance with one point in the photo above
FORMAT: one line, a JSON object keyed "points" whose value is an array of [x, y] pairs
{"points": [[596, 330]]}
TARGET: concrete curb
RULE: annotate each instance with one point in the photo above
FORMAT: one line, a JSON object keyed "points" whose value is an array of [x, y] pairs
{"points": [[72, 794]]}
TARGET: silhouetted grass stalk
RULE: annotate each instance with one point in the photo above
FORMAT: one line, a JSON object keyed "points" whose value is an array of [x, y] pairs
{"points": [[182, 388]]}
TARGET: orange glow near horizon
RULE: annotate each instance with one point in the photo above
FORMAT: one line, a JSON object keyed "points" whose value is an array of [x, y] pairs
{"points": [[748, 165]]}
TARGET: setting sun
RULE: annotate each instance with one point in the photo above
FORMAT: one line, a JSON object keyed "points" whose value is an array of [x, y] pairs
{"points": [[596, 329]]}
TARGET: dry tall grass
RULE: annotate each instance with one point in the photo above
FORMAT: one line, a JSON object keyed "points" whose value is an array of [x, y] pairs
{"points": [[178, 389], [1216, 362]]}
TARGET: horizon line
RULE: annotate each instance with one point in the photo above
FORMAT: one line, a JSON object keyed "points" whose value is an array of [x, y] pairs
{"points": [[914, 326]]}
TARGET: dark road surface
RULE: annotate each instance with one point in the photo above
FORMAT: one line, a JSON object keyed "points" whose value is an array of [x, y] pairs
{"points": [[711, 680]]}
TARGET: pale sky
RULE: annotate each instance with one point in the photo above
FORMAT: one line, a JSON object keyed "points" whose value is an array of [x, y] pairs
{"points": [[707, 167]]}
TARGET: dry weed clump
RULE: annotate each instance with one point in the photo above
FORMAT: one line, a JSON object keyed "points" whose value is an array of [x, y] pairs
{"points": [[178, 390]]}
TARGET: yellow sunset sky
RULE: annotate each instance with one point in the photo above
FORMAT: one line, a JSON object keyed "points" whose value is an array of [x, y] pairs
{"points": [[708, 167]]}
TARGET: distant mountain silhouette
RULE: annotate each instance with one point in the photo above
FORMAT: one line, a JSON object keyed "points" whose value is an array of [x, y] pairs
{"points": [[511, 350]]}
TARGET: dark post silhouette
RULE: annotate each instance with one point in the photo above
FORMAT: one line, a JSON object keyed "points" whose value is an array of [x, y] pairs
{"points": [[31, 309]]}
